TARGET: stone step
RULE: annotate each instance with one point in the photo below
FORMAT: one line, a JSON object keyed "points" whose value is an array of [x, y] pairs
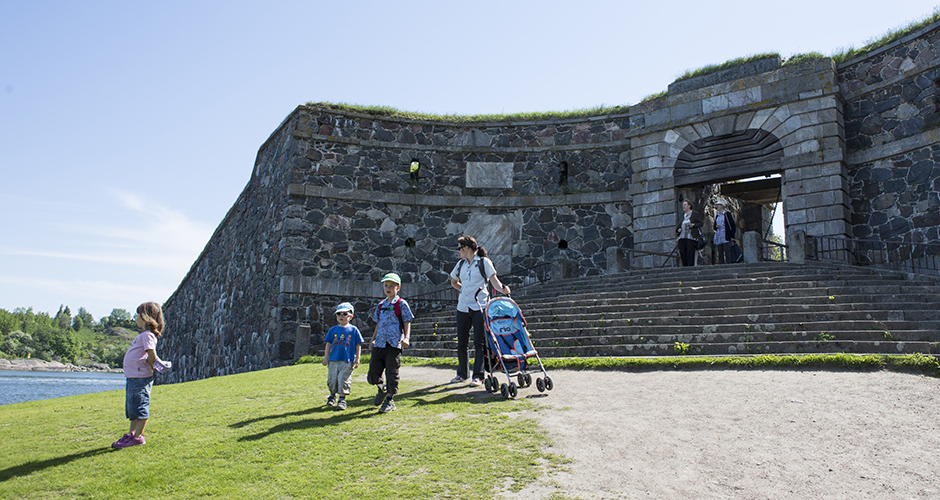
{"points": [[746, 290], [568, 287], [690, 326], [758, 308], [580, 338], [765, 271], [669, 349], [770, 307]]}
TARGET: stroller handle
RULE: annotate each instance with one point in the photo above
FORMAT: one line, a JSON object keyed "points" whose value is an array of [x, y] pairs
{"points": [[476, 296]]}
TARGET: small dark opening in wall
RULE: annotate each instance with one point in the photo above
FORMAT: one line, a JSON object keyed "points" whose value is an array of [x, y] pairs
{"points": [[415, 170], [563, 244], [410, 243], [563, 174]]}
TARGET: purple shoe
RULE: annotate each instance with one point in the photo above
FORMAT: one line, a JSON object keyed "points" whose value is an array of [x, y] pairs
{"points": [[131, 441], [120, 442]]}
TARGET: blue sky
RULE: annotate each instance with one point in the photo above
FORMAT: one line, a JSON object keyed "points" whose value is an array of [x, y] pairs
{"points": [[128, 129]]}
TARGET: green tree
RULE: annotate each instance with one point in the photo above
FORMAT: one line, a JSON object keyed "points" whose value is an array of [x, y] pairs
{"points": [[30, 322], [8, 322], [53, 342], [18, 344], [88, 321], [64, 317], [119, 318]]}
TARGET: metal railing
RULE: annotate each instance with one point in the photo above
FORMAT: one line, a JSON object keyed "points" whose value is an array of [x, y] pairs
{"points": [[894, 255], [447, 297], [535, 275], [672, 257], [773, 251]]}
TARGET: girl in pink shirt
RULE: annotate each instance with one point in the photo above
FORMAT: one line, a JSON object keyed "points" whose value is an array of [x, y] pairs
{"points": [[138, 370]]}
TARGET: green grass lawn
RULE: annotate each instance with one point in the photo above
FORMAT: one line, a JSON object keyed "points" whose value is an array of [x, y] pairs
{"points": [[269, 434]]}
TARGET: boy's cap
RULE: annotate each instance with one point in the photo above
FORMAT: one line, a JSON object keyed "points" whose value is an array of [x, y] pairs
{"points": [[391, 277], [345, 307]]}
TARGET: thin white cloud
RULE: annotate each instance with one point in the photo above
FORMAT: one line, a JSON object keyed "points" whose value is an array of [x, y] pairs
{"points": [[165, 261], [125, 248], [97, 296], [149, 235]]}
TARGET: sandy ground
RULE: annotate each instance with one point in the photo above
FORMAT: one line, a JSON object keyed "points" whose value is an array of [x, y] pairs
{"points": [[735, 434]]}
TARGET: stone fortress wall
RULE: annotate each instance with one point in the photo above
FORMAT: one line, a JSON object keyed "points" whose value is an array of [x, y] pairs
{"points": [[331, 205]]}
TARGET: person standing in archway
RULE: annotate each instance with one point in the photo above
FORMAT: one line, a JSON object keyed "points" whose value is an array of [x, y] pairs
{"points": [[470, 275], [724, 233], [689, 230]]}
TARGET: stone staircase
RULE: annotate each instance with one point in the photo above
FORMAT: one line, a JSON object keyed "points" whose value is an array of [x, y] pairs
{"points": [[765, 308]]}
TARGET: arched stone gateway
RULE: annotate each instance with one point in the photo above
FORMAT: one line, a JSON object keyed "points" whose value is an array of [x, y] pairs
{"points": [[334, 201], [786, 121]]}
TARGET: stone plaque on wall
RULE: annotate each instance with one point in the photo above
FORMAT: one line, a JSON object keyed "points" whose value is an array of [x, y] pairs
{"points": [[481, 174], [496, 233]]}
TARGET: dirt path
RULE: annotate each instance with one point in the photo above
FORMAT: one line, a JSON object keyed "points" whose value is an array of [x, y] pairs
{"points": [[737, 434]]}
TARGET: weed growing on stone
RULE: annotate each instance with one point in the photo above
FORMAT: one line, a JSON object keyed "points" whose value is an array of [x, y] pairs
{"points": [[681, 349]]}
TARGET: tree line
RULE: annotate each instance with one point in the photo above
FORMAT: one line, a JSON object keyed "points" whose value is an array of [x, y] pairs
{"points": [[64, 337]]}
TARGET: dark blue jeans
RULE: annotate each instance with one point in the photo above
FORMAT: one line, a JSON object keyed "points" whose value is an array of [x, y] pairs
{"points": [[464, 321]]}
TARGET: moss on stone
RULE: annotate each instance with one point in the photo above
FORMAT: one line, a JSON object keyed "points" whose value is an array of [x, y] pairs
{"points": [[508, 118]]}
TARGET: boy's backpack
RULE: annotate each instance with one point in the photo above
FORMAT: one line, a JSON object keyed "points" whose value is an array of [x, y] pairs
{"points": [[397, 306]]}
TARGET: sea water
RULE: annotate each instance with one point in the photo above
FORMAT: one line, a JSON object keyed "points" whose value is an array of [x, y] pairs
{"points": [[18, 386]]}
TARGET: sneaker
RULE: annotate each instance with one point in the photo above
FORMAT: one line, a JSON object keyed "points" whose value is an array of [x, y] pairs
{"points": [[341, 404], [387, 406], [131, 441], [119, 443], [456, 380], [379, 397], [331, 400], [476, 383]]}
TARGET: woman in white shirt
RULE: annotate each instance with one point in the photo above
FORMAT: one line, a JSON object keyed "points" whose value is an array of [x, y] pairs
{"points": [[470, 275]]}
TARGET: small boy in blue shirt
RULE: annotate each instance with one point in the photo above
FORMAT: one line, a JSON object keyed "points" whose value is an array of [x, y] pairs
{"points": [[341, 354], [392, 332]]}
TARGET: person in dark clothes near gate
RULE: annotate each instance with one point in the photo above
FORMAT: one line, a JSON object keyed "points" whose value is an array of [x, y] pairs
{"points": [[724, 233], [689, 230]]}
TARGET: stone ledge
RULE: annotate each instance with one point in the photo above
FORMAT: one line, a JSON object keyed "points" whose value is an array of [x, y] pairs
{"points": [[494, 124], [305, 134], [308, 285], [894, 148], [458, 201]]}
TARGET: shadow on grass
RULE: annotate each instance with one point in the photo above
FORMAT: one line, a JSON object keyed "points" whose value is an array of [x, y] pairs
{"points": [[31, 467], [358, 408], [362, 407], [307, 411]]}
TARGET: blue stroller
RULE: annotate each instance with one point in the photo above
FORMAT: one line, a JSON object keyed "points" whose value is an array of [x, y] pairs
{"points": [[510, 349]]}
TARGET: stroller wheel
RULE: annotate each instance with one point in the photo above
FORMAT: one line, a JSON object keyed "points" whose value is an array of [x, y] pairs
{"points": [[548, 383], [504, 390], [513, 390], [488, 385], [539, 384], [520, 380], [528, 380]]}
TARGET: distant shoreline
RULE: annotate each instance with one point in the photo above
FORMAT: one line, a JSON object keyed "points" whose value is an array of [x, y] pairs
{"points": [[38, 365]]}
